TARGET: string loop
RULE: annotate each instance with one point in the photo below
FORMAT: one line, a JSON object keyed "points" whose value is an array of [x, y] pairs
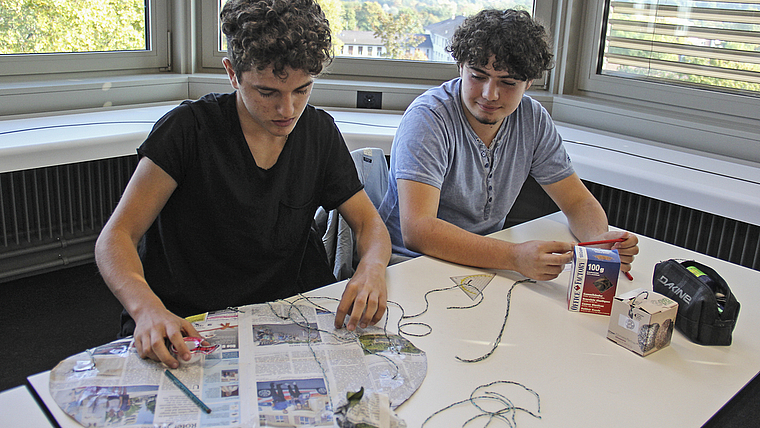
{"points": [[506, 414]]}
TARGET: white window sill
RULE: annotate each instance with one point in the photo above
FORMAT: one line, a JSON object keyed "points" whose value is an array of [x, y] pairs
{"points": [[716, 184]]}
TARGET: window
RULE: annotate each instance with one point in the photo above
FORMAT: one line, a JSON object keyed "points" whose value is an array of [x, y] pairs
{"points": [[408, 38], [83, 35], [699, 43], [696, 56], [84, 26]]}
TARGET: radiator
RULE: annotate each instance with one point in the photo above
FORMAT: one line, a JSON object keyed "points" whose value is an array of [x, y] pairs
{"points": [[52, 216], [710, 234]]}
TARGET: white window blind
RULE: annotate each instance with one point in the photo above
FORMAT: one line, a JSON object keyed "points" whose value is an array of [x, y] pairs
{"points": [[713, 44]]}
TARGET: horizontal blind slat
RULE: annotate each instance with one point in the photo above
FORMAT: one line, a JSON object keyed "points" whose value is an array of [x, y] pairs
{"points": [[681, 49], [691, 13], [694, 69], [693, 42], [674, 30]]}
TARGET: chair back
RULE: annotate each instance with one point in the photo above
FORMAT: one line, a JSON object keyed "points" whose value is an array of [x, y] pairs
{"points": [[337, 236], [373, 172]]}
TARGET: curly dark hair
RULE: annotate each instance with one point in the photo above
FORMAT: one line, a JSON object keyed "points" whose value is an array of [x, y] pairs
{"points": [[283, 33], [520, 44]]}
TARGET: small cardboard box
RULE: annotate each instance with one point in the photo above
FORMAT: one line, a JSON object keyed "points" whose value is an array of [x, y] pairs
{"points": [[593, 280], [642, 321]]}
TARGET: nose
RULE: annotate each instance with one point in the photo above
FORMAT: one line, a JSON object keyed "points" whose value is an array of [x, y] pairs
{"points": [[490, 90], [286, 106]]}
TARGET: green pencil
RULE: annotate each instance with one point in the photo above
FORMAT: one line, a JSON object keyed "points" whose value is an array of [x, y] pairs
{"points": [[187, 391]]}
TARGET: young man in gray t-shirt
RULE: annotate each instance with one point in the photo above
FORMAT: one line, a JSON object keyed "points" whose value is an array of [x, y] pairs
{"points": [[464, 149]]}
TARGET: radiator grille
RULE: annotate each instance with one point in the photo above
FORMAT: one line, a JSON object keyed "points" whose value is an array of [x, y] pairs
{"points": [[51, 216], [710, 234]]}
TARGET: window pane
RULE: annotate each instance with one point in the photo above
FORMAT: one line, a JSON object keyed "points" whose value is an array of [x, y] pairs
{"points": [[411, 30], [712, 44], [48, 26]]}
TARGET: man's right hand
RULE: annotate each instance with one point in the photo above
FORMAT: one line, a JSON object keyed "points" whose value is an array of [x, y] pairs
{"points": [[154, 327], [120, 265], [541, 260]]}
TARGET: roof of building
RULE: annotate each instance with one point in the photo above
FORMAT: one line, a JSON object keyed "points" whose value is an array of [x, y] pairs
{"points": [[367, 38], [352, 37], [445, 28], [427, 43]]}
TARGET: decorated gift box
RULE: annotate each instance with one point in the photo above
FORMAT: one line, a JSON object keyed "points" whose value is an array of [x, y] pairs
{"points": [[642, 321]]}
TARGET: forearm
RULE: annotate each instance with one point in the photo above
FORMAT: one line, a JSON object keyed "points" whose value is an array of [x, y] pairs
{"points": [[585, 215], [443, 240], [373, 244], [121, 268], [587, 219], [365, 296], [539, 260]]}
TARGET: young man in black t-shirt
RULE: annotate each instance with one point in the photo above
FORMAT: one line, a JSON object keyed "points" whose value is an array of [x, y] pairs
{"points": [[218, 212]]}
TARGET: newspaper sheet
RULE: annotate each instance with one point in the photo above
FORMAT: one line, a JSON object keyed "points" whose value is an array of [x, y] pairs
{"points": [[277, 364]]}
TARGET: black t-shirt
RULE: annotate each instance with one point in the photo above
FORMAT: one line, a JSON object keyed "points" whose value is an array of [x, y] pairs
{"points": [[233, 233]]}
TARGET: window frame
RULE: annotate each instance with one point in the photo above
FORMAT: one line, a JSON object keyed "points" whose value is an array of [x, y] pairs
{"points": [[155, 58], [355, 68], [668, 96]]}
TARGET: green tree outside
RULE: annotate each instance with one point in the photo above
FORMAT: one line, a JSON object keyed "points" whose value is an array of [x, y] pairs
{"points": [[399, 33], [59, 26], [333, 10], [368, 16]]}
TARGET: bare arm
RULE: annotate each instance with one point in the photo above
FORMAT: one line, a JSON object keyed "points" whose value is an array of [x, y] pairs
{"points": [[587, 218], [425, 233], [365, 296], [118, 261], [584, 213]]}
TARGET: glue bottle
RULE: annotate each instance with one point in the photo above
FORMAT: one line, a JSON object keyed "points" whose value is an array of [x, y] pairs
{"points": [[720, 297]]}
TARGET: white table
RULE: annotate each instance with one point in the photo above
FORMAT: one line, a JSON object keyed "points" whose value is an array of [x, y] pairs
{"points": [[582, 378], [20, 410]]}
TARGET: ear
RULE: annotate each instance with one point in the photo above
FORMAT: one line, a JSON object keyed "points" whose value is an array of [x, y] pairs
{"points": [[230, 72], [530, 82]]}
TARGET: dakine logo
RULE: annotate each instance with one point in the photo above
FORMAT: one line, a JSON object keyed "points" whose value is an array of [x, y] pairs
{"points": [[678, 291]]}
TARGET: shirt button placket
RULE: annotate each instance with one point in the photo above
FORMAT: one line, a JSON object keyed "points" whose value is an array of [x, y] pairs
{"points": [[488, 165]]}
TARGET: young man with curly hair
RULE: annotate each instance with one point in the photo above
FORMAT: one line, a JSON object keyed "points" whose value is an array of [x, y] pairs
{"points": [[219, 210], [464, 149]]}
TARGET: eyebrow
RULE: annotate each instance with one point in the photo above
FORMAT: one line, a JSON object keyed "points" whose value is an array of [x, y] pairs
{"points": [[508, 76], [266, 88]]}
